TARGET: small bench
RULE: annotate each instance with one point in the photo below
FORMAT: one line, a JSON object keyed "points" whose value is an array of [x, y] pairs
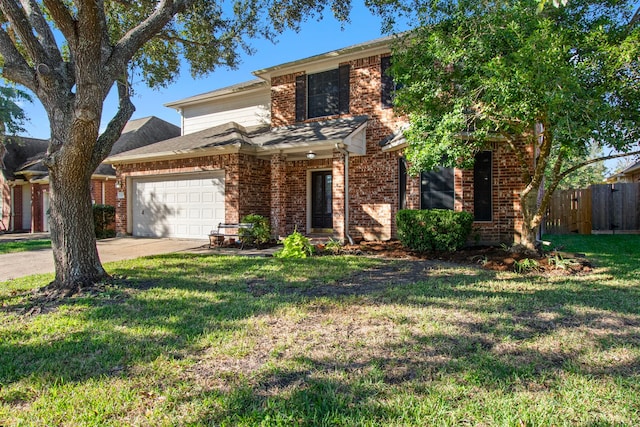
{"points": [[227, 230]]}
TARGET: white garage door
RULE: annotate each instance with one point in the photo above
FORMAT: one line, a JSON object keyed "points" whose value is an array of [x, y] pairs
{"points": [[183, 206]]}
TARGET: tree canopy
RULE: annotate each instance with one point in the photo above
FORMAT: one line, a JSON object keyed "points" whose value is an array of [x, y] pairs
{"points": [[559, 78], [70, 54], [12, 117]]}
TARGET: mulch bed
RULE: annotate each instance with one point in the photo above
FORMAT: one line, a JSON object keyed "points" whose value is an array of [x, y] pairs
{"points": [[487, 257]]}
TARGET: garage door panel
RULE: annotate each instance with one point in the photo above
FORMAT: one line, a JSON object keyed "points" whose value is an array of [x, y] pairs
{"points": [[179, 206]]}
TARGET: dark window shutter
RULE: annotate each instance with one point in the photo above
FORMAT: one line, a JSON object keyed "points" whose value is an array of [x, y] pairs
{"points": [[344, 73], [386, 83], [301, 98], [437, 189], [402, 183], [482, 186]]}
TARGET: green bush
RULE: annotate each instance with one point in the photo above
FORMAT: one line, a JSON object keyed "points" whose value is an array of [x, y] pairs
{"points": [[433, 229], [259, 234], [295, 246], [104, 217]]}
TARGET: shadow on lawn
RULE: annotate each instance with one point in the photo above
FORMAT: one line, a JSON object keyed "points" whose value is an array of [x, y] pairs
{"points": [[166, 310]]}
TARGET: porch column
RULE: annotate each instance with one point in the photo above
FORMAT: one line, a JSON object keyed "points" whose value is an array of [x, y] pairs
{"points": [[121, 203], [338, 195], [279, 195]]}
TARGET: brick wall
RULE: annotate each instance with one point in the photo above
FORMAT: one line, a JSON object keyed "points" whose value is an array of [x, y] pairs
{"points": [[374, 179], [17, 209], [5, 203], [246, 182], [278, 187]]}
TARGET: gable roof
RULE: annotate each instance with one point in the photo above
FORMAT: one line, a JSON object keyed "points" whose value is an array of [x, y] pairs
{"points": [[634, 167], [21, 152], [231, 137], [255, 84], [24, 155], [381, 44], [264, 75], [141, 132]]}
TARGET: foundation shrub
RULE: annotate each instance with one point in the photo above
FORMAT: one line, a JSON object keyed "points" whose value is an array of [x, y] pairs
{"points": [[260, 234], [433, 229], [104, 217]]}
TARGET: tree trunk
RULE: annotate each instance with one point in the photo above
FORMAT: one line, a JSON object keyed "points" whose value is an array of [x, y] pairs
{"points": [[528, 234], [73, 237]]}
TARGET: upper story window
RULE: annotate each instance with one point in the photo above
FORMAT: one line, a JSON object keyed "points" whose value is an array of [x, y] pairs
{"points": [[387, 86], [323, 94]]}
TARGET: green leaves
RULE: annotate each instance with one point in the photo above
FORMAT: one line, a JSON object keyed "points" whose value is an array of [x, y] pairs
{"points": [[559, 79], [575, 68], [12, 117]]}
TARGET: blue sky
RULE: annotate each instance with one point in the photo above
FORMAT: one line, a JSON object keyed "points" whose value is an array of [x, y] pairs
{"points": [[314, 38]]}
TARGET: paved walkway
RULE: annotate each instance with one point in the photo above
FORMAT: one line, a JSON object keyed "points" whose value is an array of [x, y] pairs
{"points": [[21, 264]]}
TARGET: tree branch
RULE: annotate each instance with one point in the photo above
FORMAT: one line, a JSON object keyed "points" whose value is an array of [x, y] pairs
{"points": [[543, 159], [41, 26], [114, 128], [599, 159], [635, 19], [15, 66], [129, 44], [20, 23], [63, 20]]}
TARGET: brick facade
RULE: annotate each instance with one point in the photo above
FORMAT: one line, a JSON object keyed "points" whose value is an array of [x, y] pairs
{"points": [[247, 182], [374, 178], [278, 187]]}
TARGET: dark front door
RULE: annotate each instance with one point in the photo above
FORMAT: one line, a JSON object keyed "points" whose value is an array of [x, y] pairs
{"points": [[321, 200]]}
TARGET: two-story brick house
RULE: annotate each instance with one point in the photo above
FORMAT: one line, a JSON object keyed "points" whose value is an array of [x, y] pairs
{"points": [[312, 144]]}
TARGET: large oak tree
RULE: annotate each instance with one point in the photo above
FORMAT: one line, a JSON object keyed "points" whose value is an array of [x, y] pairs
{"points": [[558, 79], [71, 53]]}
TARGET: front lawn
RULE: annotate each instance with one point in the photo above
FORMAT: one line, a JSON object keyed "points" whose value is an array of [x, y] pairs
{"points": [[212, 340], [24, 245]]}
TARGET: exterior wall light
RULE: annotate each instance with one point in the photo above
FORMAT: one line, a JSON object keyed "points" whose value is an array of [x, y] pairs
{"points": [[311, 155]]}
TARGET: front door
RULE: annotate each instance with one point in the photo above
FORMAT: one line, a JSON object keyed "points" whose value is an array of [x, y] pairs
{"points": [[321, 200]]}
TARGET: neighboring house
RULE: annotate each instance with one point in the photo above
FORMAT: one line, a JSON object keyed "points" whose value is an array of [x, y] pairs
{"points": [[24, 180], [313, 145], [630, 174]]}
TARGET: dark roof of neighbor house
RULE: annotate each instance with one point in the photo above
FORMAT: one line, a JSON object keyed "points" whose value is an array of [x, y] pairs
{"points": [[138, 133], [26, 159], [21, 152], [255, 136], [141, 132]]}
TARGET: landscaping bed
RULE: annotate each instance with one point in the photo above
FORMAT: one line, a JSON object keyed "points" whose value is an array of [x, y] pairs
{"points": [[493, 258]]}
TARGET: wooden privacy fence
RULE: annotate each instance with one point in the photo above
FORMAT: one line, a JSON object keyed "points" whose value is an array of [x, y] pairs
{"points": [[600, 209], [569, 212]]}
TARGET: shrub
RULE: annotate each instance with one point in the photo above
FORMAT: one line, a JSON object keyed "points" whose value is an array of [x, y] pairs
{"points": [[104, 217], [433, 229], [295, 246], [259, 234], [333, 246]]}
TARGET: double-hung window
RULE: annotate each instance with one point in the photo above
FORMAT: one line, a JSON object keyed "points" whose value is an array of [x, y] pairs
{"points": [[323, 94], [437, 189]]}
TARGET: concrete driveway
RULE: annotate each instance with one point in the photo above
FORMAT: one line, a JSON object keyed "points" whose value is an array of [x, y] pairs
{"points": [[21, 264]]}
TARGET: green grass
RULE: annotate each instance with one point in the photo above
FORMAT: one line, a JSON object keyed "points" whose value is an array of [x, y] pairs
{"points": [[212, 340], [24, 245]]}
